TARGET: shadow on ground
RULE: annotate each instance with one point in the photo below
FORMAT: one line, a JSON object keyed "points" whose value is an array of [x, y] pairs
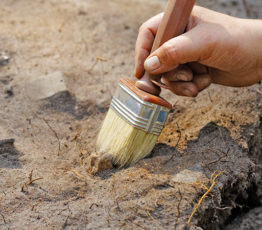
{"points": [[9, 155], [66, 102]]}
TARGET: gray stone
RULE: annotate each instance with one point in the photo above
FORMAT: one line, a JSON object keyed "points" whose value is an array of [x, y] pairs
{"points": [[188, 176], [46, 85]]}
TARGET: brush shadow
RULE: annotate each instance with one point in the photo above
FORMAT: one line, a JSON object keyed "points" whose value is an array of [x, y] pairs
{"points": [[214, 143], [106, 174], [162, 149]]}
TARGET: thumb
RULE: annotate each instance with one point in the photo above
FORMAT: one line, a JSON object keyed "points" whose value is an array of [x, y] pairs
{"points": [[194, 45]]}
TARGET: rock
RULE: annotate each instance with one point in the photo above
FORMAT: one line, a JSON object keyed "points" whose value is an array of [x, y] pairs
{"points": [[45, 86], [188, 176], [9, 92], [4, 59]]}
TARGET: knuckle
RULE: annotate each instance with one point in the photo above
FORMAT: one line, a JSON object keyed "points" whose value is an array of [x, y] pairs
{"points": [[145, 32], [142, 28], [169, 53]]}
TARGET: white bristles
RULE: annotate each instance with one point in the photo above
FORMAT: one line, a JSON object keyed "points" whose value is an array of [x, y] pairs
{"points": [[122, 141]]}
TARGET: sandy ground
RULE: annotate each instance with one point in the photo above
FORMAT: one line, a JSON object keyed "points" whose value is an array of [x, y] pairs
{"points": [[86, 46]]}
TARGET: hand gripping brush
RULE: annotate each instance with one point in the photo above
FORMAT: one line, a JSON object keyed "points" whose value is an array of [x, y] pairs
{"points": [[137, 113]]}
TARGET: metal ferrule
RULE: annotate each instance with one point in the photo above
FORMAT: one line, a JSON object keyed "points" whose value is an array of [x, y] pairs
{"points": [[143, 115]]}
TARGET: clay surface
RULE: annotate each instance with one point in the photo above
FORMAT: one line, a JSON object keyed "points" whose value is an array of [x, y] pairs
{"points": [[87, 46]]}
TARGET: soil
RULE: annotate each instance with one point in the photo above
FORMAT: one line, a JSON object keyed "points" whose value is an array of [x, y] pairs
{"points": [[50, 178]]}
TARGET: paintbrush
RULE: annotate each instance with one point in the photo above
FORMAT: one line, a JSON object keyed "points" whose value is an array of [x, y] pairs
{"points": [[137, 113]]}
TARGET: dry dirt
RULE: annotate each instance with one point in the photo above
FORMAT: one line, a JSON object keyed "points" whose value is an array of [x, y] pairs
{"points": [[89, 45]]}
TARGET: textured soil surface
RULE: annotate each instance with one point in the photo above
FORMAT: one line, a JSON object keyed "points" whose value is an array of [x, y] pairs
{"points": [[60, 61]]}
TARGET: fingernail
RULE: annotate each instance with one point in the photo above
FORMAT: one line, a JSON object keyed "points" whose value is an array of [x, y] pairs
{"points": [[188, 93], [181, 77], [152, 63]]}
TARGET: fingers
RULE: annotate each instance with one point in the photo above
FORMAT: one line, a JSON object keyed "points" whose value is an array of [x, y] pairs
{"points": [[182, 73], [188, 89], [202, 81], [197, 68], [144, 43], [194, 45]]}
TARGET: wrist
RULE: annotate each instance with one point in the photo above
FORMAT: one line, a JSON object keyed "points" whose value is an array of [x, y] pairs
{"points": [[254, 31], [258, 24]]}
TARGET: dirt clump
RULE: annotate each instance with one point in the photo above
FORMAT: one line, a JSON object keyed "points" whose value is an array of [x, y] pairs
{"points": [[96, 163]]}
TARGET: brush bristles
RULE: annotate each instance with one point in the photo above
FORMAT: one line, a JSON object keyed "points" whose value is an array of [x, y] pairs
{"points": [[125, 143]]}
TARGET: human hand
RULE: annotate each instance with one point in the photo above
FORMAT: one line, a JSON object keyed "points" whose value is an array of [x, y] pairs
{"points": [[216, 48]]}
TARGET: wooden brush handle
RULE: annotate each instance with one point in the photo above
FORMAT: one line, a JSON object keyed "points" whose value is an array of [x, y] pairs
{"points": [[173, 23]]}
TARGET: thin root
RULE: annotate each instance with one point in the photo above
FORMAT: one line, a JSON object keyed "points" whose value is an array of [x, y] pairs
{"points": [[3, 217], [77, 174], [98, 58], [148, 213], [213, 178], [56, 135], [30, 181]]}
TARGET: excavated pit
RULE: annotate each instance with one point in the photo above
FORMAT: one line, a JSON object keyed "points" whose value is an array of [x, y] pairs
{"points": [[247, 211]]}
